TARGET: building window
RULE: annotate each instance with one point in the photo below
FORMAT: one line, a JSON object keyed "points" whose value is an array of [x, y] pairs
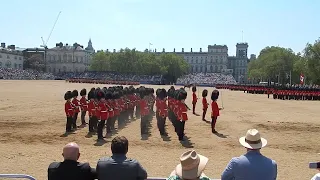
{"points": [[20, 66], [201, 61], [0, 56], [8, 57], [0, 64], [69, 58], [192, 61], [20, 58], [196, 61], [15, 66], [15, 57]]}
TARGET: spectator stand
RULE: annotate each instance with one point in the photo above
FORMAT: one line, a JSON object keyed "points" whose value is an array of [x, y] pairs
{"points": [[24, 176]]}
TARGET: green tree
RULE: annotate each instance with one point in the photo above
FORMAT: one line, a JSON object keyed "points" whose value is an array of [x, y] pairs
{"points": [[312, 56]]}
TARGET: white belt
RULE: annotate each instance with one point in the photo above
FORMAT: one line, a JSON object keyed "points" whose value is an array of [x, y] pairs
{"points": [[70, 109], [104, 111]]}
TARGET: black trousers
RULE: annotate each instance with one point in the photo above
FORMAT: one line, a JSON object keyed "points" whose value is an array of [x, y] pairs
{"points": [[194, 108], [161, 122], [143, 124], [74, 122], [137, 112], [180, 129], [130, 112], [108, 125], [93, 123], [100, 128], [83, 115], [204, 114], [69, 124]]}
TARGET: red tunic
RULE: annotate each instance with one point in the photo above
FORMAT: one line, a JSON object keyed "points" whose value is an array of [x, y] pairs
{"points": [[215, 109], [204, 103], [194, 98], [75, 102], [116, 107], [103, 110], [83, 103], [68, 109], [110, 108], [182, 111], [157, 104], [162, 108], [144, 110], [132, 101], [92, 108], [121, 104]]}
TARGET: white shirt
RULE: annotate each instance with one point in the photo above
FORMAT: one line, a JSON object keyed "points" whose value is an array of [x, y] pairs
{"points": [[316, 177]]}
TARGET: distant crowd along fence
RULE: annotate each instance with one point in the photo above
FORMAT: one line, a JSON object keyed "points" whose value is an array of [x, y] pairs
{"points": [[24, 176]]}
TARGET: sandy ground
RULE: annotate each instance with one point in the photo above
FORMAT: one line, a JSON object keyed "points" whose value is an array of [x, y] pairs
{"points": [[32, 122]]}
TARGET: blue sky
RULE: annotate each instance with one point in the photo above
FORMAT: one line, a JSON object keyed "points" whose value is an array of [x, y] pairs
{"points": [[115, 24]]}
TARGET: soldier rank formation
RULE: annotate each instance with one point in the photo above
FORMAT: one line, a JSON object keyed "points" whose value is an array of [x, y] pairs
{"points": [[106, 106]]}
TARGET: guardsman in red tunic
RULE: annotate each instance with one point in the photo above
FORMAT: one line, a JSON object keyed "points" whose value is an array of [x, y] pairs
{"points": [[76, 106], [68, 109], [157, 103], [162, 110], [122, 110], [103, 112], [152, 99], [194, 99], [131, 102], [84, 106], [170, 103], [181, 112], [92, 109], [215, 110], [204, 104], [108, 102], [144, 108], [116, 109]]}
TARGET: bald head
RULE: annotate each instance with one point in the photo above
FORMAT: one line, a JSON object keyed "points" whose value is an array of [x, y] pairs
{"points": [[71, 151]]}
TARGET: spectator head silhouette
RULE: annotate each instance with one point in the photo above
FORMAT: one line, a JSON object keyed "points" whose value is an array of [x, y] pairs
{"points": [[71, 151], [119, 145]]}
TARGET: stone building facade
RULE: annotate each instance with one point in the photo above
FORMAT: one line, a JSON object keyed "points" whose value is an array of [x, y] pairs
{"points": [[66, 58], [10, 57], [217, 60]]}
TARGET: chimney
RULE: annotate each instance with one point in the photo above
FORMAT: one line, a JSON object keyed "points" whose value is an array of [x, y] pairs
{"points": [[163, 50], [13, 47], [200, 49], [3, 45], [182, 49], [114, 50], [174, 49], [191, 49]]}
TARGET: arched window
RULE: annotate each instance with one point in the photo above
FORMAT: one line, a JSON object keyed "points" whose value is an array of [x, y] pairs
{"points": [[196, 61], [15, 65], [64, 69], [211, 68], [49, 69], [65, 58]]}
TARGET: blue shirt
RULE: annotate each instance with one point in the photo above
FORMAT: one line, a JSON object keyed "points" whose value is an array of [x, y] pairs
{"points": [[251, 166]]}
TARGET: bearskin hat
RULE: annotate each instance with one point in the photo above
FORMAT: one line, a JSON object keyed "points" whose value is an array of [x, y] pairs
{"points": [[116, 95], [142, 92], [125, 91], [204, 93], [108, 94], [182, 94], [83, 92], [158, 92], [68, 95], [214, 95], [75, 93], [162, 94], [176, 94], [100, 94], [91, 95], [92, 89], [194, 88]]}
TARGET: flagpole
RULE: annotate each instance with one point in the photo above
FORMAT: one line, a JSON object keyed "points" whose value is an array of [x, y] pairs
{"points": [[290, 78]]}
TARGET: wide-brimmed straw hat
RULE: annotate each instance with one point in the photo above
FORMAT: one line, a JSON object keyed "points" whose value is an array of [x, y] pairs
{"points": [[253, 140], [191, 165]]}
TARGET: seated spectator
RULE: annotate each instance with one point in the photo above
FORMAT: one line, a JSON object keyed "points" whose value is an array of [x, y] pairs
{"points": [[191, 167], [252, 165], [118, 166], [70, 169]]}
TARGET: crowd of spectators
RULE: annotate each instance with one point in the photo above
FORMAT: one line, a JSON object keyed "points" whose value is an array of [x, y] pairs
{"points": [[28, 74], [206, 79], [250, 166]]}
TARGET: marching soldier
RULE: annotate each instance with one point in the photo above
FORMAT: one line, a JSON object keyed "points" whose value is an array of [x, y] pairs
{"points": [[181, 112], [162, 111], [92, 108], [68, 108], [75, 103], [144, 111], [215, 110], [84, 106], [194, 99], [103, 112], [204, 104]]}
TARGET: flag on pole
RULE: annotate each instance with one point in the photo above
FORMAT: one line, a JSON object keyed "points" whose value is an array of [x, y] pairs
{"points": [[301, 78]]}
